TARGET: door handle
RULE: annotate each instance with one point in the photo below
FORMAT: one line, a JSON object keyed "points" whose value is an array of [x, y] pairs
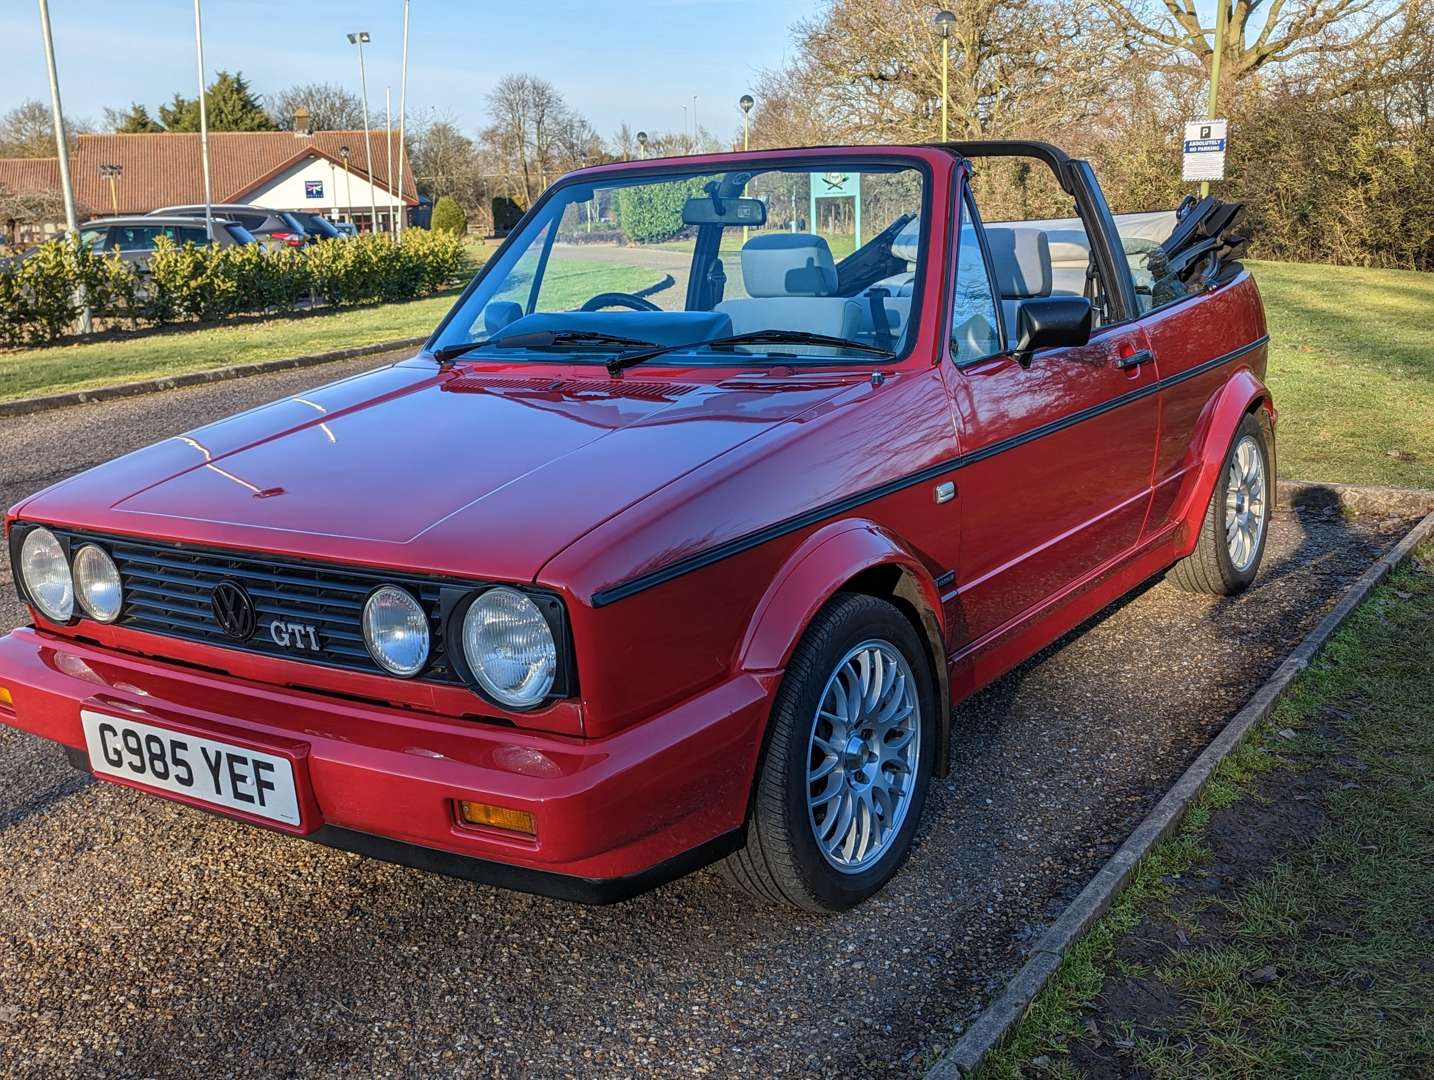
{"points": [[1135, 359]]}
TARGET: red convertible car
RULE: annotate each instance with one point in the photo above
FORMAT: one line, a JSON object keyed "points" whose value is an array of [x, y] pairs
{"points": [[720, 487]]}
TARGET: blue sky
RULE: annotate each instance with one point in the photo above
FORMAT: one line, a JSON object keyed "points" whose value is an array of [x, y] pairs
{"points": [[638, 61]]}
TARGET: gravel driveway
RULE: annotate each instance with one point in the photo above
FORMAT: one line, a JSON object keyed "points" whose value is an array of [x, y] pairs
{"points": [[138, 937]]}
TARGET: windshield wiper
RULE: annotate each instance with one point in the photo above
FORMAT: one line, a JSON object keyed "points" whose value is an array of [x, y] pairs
{"points": [[542, 339], [754, 337]]}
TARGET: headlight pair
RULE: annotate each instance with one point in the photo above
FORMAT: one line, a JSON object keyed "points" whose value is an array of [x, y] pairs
{"points": [[54, 585], [507, 643]]}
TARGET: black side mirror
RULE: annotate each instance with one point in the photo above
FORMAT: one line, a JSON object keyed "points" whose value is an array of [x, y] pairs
{"points": [[1051, 322]]}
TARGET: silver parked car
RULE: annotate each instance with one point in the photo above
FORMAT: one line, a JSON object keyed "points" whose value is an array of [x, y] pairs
{"points": [[134, 237], [272, 228]]}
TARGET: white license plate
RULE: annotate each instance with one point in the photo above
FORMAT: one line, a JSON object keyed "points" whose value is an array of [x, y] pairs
{"points": [[217, 773]]}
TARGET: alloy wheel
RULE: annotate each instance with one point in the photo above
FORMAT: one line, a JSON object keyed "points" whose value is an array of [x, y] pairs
{"points": [[1245, 505], [863, 756]]}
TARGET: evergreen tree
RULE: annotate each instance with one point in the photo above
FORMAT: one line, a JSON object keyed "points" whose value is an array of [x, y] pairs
{"points": [[232, 106], [133, 121], [448, 216]]}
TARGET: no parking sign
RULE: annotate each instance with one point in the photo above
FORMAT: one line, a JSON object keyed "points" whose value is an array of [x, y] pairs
{"points": [[1204, 157]]}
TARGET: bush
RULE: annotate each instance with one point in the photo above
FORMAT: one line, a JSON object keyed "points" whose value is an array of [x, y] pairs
{"points": [[652, 213], [448, 216], [40, 296]]}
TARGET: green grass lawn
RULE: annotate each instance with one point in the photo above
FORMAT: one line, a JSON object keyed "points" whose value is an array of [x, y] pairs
{"points": [[1352, 370], [1313, 961], [123, 359]]}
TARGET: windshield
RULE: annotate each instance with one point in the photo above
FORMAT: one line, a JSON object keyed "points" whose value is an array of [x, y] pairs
{"points": [[825, 250]]}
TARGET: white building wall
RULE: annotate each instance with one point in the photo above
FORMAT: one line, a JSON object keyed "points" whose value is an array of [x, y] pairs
{"points": [[343, 198]]}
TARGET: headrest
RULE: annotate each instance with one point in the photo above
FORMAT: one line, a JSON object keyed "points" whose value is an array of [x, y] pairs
{"points": [[906, 243], [1068, 245], [788, 264], [1022, 260]]}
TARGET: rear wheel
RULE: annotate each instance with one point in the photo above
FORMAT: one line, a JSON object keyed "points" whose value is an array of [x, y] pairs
{"points": [[1232, 535], [848, 761]]}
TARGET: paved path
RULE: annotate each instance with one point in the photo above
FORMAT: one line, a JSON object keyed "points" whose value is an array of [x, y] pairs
{"points": [[142, 938]]}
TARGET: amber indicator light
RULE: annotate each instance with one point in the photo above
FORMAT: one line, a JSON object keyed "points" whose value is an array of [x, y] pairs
{"points": [[497, 817], [5, 698]]}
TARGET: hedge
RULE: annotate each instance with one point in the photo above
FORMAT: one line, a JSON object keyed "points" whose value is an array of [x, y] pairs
{"points": [[652, 213], [42, 295]]}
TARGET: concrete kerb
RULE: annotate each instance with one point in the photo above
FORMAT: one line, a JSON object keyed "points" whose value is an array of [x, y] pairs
{"points": [[986, 1032]]}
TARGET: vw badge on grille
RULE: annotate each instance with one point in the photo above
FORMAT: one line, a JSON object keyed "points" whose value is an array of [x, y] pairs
{"points": [[233, 610]]}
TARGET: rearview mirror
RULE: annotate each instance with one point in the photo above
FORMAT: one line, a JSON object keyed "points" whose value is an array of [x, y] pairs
{"points": [[708, 210], [1051, 322]]}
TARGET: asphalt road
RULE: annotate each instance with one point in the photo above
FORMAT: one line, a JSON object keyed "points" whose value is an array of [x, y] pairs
{"points": [[138, 937]]}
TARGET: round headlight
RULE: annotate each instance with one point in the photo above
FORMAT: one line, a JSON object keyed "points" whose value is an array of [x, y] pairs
{"points": [[395, 629], [46, 574], [510, 647], [97, 584]]}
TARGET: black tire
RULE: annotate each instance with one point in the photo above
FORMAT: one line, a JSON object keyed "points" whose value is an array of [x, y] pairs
{"points": [[781, 862], [1209, 568]]}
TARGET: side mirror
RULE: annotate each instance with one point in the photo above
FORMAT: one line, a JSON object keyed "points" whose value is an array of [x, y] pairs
{"points": [[1051, 322]]}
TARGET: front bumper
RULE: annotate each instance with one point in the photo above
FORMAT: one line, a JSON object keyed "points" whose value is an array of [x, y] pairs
{"points": [[613, 816]]}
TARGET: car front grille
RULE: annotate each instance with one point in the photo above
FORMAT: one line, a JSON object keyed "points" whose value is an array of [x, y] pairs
{"points": [[168, 589]]}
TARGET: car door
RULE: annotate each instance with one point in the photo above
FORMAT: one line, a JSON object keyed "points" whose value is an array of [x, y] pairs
{"points": [[1058, 450]]}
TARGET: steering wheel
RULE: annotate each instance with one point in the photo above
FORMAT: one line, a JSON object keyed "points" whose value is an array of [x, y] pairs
{"points": [[619, 299]]}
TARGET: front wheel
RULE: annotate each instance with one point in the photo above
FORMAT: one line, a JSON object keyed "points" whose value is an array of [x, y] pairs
{"points": [[848, 761], [1232, 535]]}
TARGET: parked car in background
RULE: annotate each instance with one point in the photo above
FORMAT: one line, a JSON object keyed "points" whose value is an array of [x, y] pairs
{"points": [[346, 228], [134, 237], [317, 226], [272, 228], [604, 585]]}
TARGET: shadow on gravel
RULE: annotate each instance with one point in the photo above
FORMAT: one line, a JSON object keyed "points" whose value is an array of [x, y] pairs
{"points": [[43, 802]]}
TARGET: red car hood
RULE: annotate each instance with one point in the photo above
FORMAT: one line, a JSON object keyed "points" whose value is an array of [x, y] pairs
{"points": [[471, 472]]}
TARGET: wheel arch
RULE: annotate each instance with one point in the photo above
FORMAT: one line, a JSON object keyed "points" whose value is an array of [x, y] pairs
{"points": [[1242, 395], [851, 556]]}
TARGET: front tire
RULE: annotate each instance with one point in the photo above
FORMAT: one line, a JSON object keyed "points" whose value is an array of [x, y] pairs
{"points": [[1232, 534], [848, 761]]}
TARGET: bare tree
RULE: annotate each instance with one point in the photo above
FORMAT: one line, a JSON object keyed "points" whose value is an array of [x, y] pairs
{"points": [[26, 131], [534, 136], [1264, 32], [870, 70], [330, 107]]}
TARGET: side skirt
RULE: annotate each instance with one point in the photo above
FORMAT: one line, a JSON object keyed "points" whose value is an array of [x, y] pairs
{"points": [[983, 662]]}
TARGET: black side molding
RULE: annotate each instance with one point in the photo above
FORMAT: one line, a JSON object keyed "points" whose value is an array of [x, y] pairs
{"points": [[747, 541]]}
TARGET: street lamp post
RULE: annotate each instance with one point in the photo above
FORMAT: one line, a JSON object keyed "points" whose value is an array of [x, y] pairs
{"points": [[62, 147], [402, 109], [641, 145], [745, 103], [361, 38], [112, 173], [944, 21], [344, 152]]}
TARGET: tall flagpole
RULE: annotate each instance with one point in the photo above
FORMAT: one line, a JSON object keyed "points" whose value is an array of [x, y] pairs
{"points": [[203, 123], [62, 146], [388, 154], [402, 109]]}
